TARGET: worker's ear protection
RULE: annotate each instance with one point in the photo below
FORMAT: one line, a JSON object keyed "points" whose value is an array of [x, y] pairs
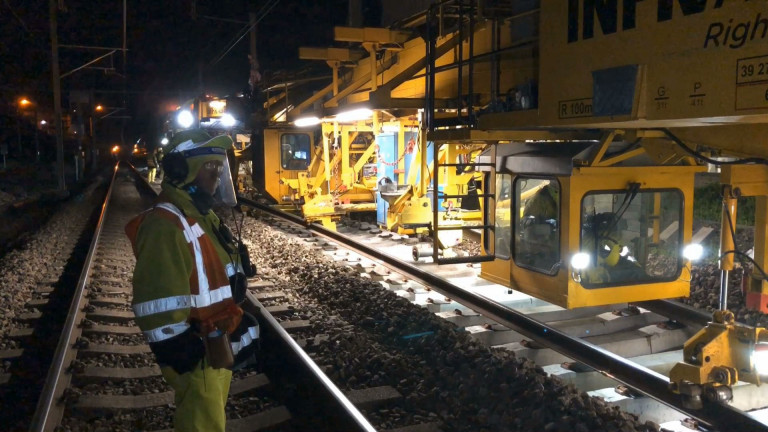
{"points": [[175, 167]]}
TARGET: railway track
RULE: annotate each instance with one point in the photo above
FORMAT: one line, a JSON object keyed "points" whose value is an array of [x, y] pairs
{"points": [[403, 367], [104, 377], [592, 346]]}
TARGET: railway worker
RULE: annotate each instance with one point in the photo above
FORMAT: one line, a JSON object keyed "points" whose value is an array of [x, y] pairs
{"points": [[188, 281], [538, 239], [151, 165], [159, 162]]}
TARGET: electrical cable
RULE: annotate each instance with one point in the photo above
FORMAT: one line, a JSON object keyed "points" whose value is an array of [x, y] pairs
{"points": [[749, 258], [265, 9], [736, 251], [697, 155], [239, 229]]}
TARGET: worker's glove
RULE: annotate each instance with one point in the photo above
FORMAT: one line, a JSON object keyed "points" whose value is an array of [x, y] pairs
{"points": [[181, 352]]}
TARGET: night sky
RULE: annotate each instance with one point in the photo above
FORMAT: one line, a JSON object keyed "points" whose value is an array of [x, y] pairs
{"points": [[169, 44]]}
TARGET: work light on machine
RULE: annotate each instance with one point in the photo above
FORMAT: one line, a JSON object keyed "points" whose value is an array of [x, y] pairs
{"points": [[227, 120], [580, 261], [354, 115], [164, 141], [307, 121], [185, 119], [760, 358], [217, 105], [693, 252]]}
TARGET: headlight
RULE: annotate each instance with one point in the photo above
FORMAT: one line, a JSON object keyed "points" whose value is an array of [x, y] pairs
{"points": [[227, 120], [580, 261], [693, 251], [760, 358], [185, 119]]}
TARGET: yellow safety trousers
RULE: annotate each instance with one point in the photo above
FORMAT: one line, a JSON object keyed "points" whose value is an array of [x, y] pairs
{"points": [[200, 397]]}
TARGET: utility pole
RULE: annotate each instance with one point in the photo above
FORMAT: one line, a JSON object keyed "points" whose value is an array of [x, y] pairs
{"points": [[355, 13], [125, 67], [257, 115], [52, 9]]}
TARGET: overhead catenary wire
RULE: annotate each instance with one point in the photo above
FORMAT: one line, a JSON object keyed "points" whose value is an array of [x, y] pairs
{"points": [[265, 9]]}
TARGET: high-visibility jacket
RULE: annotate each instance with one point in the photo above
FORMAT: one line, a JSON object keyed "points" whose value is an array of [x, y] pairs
{"points": [[181, 280]]}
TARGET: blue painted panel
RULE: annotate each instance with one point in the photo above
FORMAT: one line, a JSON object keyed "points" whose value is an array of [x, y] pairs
{"points": [[387, 153]]}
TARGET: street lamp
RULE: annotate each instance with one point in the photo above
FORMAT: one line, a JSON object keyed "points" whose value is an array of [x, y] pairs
{"points": [[24, 103]]}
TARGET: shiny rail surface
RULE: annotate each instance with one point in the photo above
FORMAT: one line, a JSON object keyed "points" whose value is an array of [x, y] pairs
{"points": [[637, 377], [76, 390]]}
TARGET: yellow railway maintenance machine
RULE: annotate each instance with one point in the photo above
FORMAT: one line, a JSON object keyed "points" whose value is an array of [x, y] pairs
{"points": [[594, 186], [326, 177], [382, 73]]}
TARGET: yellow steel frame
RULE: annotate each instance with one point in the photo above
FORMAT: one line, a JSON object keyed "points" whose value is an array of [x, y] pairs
{"points": [[748, 180]]}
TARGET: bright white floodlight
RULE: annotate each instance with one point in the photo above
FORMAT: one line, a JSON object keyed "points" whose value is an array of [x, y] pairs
{"points": [[307, 121], [164, 141], [580, 261], [760, 358], [227, 120], [354, 115], [185, 119], [693, 251]]}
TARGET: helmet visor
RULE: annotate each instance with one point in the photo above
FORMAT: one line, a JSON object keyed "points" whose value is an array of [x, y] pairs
{"points": [[199, 156], [225, 192]]}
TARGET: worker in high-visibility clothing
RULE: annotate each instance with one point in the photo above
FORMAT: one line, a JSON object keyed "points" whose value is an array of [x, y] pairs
{"points": [[189, 278]]}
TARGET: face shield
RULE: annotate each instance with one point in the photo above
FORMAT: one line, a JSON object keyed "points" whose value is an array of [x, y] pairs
{"points": [[211, 156], [225, 192]]}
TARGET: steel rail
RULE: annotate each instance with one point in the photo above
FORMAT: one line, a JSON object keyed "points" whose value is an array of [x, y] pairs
{"points": [[679, 312], [353, 419], [655, 385], [57, 380]]}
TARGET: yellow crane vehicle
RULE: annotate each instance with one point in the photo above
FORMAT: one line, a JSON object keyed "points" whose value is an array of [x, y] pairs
{"points": [[369, 151], [588, 173]]}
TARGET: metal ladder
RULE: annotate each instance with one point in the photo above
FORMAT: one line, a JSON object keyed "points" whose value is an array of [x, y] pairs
{"points": [[489, 205]]}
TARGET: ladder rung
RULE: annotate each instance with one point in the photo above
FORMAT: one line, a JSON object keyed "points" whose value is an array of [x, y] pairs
{"points": [[470, 259], [482, 195], [456, 228], [479, 164]]}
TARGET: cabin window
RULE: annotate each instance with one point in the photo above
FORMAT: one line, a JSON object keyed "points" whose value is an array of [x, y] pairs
{"points": [[503, 227], [631, 236], [294, 151], [537, 224]]}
